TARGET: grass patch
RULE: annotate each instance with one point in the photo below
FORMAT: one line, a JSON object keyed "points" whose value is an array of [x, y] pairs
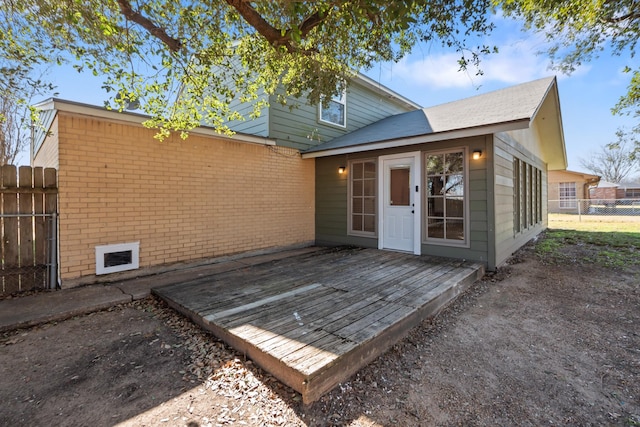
{"points": [[607, 249], [595, 223]]}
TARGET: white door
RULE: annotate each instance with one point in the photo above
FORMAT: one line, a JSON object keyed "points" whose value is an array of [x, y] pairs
{"points": [[399, 222]]}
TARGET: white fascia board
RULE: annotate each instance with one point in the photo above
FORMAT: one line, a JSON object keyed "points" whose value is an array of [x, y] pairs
{"points": [[136, 118], [421, 139]]}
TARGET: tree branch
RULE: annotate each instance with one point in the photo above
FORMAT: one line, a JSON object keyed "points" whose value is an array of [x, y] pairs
{"points": [[634, 13], [310, 23], [125, 7], [276, 37], [266, 30]]}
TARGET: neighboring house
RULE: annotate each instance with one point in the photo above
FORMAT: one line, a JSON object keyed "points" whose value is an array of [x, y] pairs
{"points": [[610, 191], [605, 191], [629, 190], [566, 188], [370, 168]]}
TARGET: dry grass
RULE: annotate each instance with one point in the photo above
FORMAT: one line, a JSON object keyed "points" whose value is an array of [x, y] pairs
{"points": [[597, 223]]}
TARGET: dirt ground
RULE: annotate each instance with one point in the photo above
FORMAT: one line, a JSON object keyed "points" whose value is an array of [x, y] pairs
{"points": [[535, 344]]}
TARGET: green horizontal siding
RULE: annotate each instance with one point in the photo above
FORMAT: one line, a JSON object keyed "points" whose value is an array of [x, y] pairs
{"points": [[331, 202], [299, 127]]}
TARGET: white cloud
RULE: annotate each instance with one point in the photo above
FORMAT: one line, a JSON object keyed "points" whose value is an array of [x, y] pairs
{"points": [[518, 61]]}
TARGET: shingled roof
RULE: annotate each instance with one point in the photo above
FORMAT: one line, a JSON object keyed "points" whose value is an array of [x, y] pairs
{"points": [[511, 108]]}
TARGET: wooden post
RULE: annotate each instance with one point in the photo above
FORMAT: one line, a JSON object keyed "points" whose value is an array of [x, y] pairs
{"points": [[51, 208], [25, 207], [40, 231], [10, 250]]}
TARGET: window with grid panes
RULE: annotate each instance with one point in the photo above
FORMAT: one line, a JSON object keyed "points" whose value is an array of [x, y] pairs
{"points": [[568, 195], [445, 196], [362, 206], [527, 195]]}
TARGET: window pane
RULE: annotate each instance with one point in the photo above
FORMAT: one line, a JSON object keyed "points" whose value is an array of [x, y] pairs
{"points": [[455, 185], [435, 164], [454, 162], [357, 188], [333, 112], [435, 206], [435, 228], [356, 206], [455, 229], [400, 187], [369, 223], [435, 186], [356, 222], [370, 170], [455, 207], [356, 170], [369, 187], [369, 205]]}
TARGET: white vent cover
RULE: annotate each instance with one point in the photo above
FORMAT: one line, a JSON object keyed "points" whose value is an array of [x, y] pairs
{"points": [[118, 257]]}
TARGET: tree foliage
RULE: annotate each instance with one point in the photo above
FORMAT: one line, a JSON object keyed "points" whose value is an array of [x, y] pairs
{"points": [[186, 60], [581, 30], [17, 116], [614, 161]]}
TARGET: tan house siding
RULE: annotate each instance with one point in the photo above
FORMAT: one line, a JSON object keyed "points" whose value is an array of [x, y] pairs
{"points": [[182, 200], [506, 237]]}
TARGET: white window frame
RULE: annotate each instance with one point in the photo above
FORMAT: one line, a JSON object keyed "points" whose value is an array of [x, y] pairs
{"points": [[466, 243], [340, 99], [567, 202], [350, 230]]}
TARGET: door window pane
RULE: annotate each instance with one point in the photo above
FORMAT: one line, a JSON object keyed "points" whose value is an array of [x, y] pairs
{"points": [[400, 187]]}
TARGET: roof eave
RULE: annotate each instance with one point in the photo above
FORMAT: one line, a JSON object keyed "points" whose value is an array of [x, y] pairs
{"points": [[137, 118], [421, 139], [557, 160]]}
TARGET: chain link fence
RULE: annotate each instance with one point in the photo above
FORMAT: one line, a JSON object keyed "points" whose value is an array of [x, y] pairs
{"points": [[29, 255], [622, 208]]}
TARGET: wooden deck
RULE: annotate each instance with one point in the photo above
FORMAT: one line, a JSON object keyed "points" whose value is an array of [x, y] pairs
{"points": [[314, 319]]}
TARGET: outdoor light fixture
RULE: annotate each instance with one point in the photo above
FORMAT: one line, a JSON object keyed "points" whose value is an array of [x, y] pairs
{"points": [[341, 169], [477, 154]]}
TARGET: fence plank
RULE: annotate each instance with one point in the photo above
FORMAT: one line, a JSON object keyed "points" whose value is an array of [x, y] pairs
{"points": [[25, 207], [10, 252], [50, 200], [40, 231]]}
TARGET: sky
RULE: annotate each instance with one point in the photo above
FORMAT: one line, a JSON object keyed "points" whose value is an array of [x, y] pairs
{"points": [[429, 76]]}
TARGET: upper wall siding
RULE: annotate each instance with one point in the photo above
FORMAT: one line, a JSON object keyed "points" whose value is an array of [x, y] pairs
{"points": [[47, 155], [258, 126], [299, 127]]}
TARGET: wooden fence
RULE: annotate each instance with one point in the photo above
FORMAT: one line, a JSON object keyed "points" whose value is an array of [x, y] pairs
{"points": [[28, 221]]}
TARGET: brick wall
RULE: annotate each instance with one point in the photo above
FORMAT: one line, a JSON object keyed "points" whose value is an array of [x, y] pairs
{"points": [[604, 193], [182, 200]]}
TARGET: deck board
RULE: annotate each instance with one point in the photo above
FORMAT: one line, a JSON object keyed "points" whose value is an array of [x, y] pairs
{"points": [[315, 318]]}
